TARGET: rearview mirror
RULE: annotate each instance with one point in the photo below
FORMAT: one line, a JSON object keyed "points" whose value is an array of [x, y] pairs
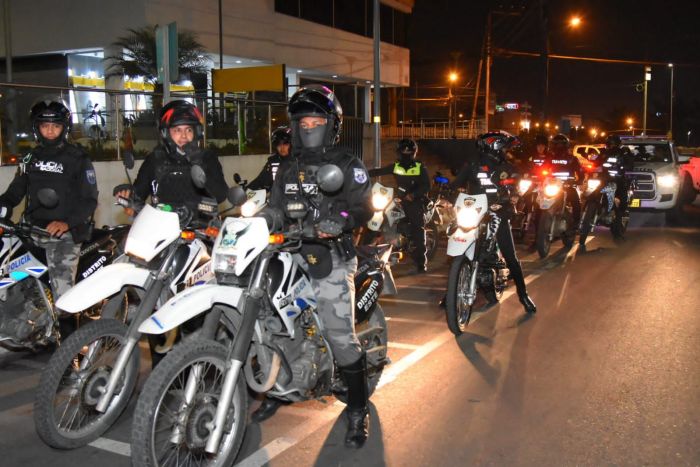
{"points": [[236, 196], [128, 160], [237, 178], [330, 178], [199, 178], [48, 198]]}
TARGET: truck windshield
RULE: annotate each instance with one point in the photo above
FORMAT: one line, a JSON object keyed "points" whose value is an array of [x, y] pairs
{"points": [[651, 152]]}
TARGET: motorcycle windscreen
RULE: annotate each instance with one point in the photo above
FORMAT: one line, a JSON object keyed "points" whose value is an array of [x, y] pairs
{"points": [[152, 231]]}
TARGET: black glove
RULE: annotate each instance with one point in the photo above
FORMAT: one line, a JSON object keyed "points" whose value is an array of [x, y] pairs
{"points": [[332, 225]]}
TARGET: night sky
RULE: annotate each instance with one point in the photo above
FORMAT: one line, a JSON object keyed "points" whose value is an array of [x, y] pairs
{"points": [[448, 34]]}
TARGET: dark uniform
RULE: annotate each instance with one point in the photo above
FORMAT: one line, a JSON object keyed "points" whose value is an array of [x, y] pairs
{"points": [[67, 169], [618, 161], [412, 180], [565, 164], [487, 177], [281, 136]]}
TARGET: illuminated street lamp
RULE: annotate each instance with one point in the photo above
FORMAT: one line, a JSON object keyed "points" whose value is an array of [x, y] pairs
{"points": [[452, 102], [575, 21]]}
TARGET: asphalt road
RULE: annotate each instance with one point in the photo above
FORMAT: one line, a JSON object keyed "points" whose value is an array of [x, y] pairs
{"points": [[606, 373]]}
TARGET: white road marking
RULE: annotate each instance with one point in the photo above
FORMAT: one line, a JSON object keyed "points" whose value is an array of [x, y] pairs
{"points": [[113, 446], [442, 276], [416, 287], [395, 369], [563, 290], [415, 321], [407, 302], [401, 345]]}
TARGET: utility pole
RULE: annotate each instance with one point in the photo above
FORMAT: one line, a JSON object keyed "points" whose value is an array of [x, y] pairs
{"points": [[10, 93], [488, 71], [377, 90], [670, 112], [544, 30]]}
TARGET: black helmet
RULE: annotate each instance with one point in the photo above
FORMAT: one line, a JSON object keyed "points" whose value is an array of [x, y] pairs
{"points": [[315, 101], [495, 143], [281, 135], [560, 144], [613, 141], [541, 140], [179, 112], [53, 111], [407, 149]]}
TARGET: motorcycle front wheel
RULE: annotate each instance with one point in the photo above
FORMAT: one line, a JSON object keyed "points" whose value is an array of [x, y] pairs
{"points": [[70, 387], [588, 217], [458, 310], [169, 431], [431, 241], [542, 241]]}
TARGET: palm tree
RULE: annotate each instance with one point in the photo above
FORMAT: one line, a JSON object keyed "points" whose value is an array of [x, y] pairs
{"points": [[139, 57]]}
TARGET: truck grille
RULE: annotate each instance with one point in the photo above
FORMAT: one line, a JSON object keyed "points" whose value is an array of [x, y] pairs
{"points": [[645, 185]]}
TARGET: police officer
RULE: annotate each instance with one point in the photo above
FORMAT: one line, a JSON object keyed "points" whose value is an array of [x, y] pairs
{"points": [[281, 140], [55, 163], [165, 173], [482, 178], [618, 160], [562, 160], [413, 185], [316, 120], [539, 156]]}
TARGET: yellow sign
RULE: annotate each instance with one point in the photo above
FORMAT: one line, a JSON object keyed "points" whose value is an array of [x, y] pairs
{"points": [[259, 78]]}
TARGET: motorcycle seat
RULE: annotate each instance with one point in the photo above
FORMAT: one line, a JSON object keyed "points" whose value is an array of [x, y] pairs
{"points": [[369, 251]]}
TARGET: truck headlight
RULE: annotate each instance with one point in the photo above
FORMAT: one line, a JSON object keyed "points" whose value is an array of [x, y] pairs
{"points": [[467, 218], [592, 184], [379, 201], [524, 185], [667, 181]]}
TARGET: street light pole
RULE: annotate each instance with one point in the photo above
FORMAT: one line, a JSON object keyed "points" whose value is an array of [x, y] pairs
{"points": [[647, 78], [377, 90], [487, 90], [670, 112]]}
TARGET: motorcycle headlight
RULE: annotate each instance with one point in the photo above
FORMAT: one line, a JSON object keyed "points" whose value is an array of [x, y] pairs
{"points": [[248, 209], [592, 184], [667, 181], [224, 263], [524, 185], [467, 218], [551, 189], [379, 201]]}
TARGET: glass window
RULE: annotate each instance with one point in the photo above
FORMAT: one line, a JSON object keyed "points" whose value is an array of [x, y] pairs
{"points": [[349, 15], [400, 28], [318, 11], [287, 7]]}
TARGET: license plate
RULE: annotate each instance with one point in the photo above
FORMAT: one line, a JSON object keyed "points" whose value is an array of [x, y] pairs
{"points": [[634, 203]]}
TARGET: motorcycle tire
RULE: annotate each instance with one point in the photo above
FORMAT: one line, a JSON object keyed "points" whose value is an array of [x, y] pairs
{"points": [[173, 369], [587, 226], [457, 311], [569, 234], [431, 241], [542, 240], [88, 383], [376, 359]]}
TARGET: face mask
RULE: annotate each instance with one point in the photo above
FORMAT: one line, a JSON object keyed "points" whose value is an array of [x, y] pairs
{"points": [[406, 158], [312, 137]]}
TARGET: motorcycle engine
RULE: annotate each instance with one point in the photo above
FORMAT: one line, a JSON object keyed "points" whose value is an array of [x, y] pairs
{"points": [[22, 313]]}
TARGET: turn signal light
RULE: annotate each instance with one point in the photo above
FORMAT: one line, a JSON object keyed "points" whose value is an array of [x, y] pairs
{"points": [[212, 232], [187, 235], [276, 239]]}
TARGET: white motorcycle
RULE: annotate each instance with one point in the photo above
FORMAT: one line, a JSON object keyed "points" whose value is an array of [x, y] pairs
{"points": [[90, 378], [477, 263], [389, 221], [193, 407]]}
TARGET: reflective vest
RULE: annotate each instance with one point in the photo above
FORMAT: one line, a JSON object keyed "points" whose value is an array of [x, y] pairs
{"points": [[412, 172]]}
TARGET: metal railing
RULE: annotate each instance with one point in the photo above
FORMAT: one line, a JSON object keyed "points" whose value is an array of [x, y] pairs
{"points": [[465, 129], [126, 120]]}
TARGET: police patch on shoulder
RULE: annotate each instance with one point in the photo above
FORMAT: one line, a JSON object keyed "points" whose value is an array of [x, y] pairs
{"points": [[91, 177], [360, 175]]}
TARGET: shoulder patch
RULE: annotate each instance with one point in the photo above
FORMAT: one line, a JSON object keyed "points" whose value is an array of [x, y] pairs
{"points": [[360, 175], [91, 177]]}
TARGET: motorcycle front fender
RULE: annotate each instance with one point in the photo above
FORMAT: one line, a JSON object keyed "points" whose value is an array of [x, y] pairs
{"points": [[188, 304], [104, 283], [461, 243]]}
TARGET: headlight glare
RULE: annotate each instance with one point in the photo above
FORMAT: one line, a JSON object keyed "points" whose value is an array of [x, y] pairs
{"points": [[667, 181], [248, 209], [524, 185], [379, 201], [551, 189], [592, 184], [467, 218]]}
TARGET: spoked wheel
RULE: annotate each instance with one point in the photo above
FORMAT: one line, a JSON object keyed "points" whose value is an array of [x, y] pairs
{"points": [[65, 411], [171, 429], [458, 308], [543, 241], [431, 240]]}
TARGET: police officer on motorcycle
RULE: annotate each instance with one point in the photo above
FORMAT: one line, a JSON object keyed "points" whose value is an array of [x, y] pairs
{"points": [[66, 168], [281, 140], [165, 173], [328, 252], [413, 185], [618, 160], [562, 160], [489, 175]]}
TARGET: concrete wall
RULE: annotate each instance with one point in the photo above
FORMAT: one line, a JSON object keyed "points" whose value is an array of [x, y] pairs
{"points": [[110, 174], [251, 30]]}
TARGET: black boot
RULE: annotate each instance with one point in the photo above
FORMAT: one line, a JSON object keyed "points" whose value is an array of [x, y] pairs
{"points": [[266, 410], [357, 411], [519, 279]]}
